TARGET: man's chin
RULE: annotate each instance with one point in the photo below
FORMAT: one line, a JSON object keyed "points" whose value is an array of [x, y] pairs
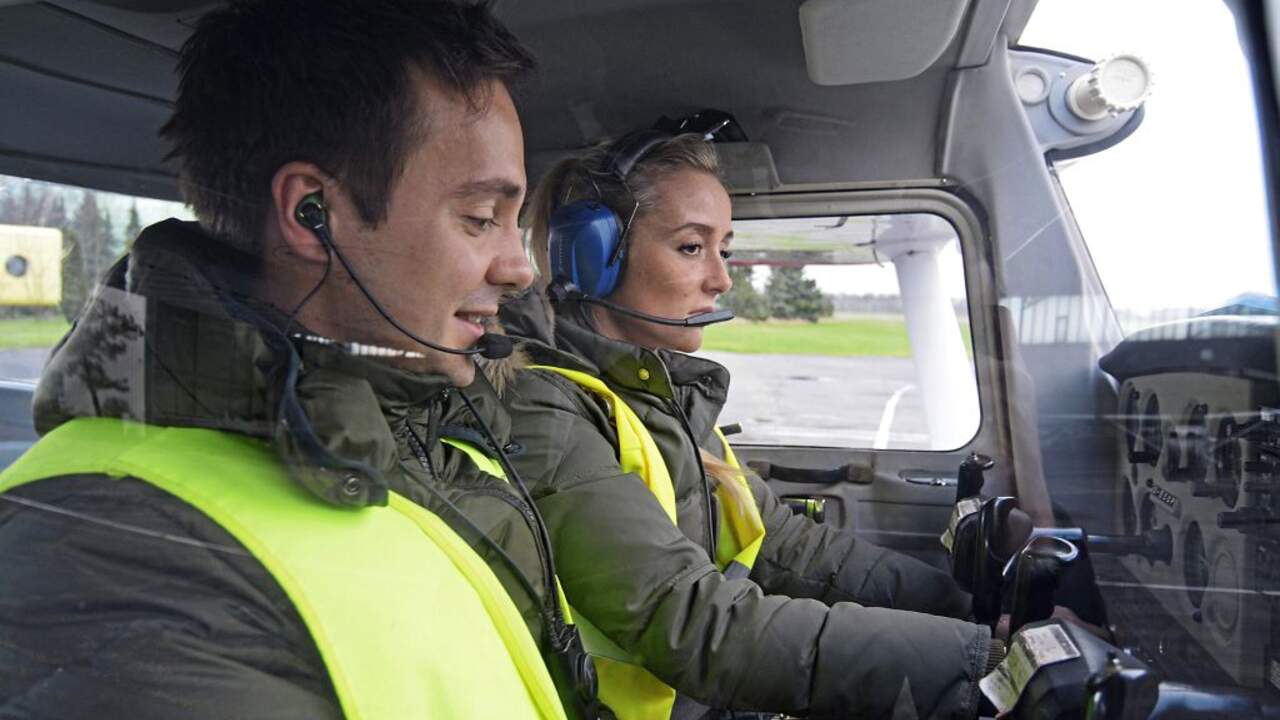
{"points": [[460, 369]]}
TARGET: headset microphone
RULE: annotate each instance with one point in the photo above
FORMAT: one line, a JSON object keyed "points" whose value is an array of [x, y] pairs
{"points": [[313, 216], [559, 292]]}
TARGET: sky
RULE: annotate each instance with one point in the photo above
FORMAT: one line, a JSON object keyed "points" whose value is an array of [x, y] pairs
{"points": [[1174, 216]]}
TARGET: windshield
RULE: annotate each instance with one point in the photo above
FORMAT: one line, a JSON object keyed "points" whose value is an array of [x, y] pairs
{"points": [[1174, 216], [1168, 448]]}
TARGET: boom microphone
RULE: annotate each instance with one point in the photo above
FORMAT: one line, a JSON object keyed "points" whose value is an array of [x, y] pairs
{"points": [[311, 213], [565, 291]]}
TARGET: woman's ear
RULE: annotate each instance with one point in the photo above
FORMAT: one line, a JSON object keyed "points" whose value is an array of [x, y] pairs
{"points": [[291, 184]]}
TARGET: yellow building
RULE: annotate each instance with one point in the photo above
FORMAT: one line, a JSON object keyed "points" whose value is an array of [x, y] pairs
{"points": [[30, 265]]}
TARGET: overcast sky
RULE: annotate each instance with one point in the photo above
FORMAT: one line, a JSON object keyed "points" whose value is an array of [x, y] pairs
{"points": [[1175, 214]]}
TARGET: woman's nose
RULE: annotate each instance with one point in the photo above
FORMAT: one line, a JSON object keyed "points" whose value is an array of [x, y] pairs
{"points": [[718, 281]]}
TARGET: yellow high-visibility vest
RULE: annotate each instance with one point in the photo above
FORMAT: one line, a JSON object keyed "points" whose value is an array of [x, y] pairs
{"points": [[632, 692], [410, 621]]}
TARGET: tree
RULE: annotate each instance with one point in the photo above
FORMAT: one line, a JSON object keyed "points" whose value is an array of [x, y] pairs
{"points": [[8, 201], [57, 217], [743, 299], [74, 289], [112, 245], [29, 205], [793, 296], [133, 227], [95, 241]]}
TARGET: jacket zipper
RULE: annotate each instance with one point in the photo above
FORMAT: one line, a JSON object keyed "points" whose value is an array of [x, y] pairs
{"points": [[551, 611], [702, 472]]}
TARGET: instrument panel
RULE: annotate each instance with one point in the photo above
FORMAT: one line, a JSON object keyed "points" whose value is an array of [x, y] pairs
{"points": [[1199, 468]]}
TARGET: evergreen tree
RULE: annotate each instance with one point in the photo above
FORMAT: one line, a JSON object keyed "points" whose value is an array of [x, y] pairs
{"points": [[133, 227], [74, 289], [94, 241], [793, 296], [112, 245], [57, 217], [28, 207], [743, 299], [9, 211]]}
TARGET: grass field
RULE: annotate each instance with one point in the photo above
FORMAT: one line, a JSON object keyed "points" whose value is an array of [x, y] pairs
{"points": [[840, 336], [878, 336], [31, 332]]}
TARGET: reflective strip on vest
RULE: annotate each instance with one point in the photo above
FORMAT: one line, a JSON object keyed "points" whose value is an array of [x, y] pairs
{"points": [[632, 692], [410, 621], [494, 468], [482, 461]]}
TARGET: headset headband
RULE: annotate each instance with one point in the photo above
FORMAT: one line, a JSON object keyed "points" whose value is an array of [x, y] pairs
{"points": [[630, 149]]}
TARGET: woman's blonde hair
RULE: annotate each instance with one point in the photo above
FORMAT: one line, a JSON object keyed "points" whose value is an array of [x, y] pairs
{"points": [[588, 177], [728, 477]]}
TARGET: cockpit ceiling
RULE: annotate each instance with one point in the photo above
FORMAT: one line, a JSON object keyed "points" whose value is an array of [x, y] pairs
{"points": [[85, 85]]}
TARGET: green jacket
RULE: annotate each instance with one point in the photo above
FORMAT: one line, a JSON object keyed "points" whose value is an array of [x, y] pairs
{"points": [[143, 607], [818, 629]]}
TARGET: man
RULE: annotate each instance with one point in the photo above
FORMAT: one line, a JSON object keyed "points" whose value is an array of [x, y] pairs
{"points": [[357, 169]]}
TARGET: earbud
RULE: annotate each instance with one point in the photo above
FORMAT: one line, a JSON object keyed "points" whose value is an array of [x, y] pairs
{"points": [[312, 214]]}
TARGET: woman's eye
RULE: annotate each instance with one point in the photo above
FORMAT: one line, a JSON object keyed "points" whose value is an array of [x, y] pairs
{"points": [[726, 254], [481, 223], [691, 249]]}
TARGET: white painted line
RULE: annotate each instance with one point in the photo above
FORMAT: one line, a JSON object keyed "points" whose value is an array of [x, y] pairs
{"points": [[886, 417]]}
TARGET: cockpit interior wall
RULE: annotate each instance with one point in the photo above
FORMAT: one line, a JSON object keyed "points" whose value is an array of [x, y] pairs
{"points": [[67, 60], [993, 154], [113, 61], [837, 134], [62, 67]]}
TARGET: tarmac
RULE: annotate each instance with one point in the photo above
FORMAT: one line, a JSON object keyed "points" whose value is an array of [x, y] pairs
{"points": [[777, 398]]}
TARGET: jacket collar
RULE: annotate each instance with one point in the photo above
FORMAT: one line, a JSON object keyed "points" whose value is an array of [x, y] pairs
{"points": [[697, 385]]}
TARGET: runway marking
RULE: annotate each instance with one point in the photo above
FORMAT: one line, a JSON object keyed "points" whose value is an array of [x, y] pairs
{"points": [[886, 417]]}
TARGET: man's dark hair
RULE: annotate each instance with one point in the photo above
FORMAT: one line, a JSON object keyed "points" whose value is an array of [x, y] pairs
{"points": [[267, 82]]}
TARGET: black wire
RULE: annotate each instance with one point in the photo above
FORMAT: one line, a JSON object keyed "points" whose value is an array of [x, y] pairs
{"points": [[328, 265], [472, 527], [514, 478], [327, 238]]}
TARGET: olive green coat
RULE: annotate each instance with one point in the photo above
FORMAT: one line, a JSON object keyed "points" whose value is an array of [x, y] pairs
{"points": [[810, 633], [119, 600]]}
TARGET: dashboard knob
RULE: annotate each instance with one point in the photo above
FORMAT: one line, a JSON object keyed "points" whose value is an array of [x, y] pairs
{"points": [[1120, 83]]}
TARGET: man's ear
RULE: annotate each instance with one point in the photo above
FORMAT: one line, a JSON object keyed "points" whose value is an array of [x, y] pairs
{"points": [[292, 183]]}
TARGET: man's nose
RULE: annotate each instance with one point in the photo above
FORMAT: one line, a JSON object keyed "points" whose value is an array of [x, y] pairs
{"points": [[510, 267]]}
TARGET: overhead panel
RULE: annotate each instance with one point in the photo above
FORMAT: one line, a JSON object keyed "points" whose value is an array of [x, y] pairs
{"points": [[848, 42]]}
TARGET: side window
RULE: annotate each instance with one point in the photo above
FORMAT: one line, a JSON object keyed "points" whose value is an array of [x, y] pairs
{"points": [[56, 241], [852, 331]]}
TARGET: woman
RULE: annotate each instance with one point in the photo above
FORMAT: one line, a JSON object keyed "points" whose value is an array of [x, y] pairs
{"points": [[658, 583]]}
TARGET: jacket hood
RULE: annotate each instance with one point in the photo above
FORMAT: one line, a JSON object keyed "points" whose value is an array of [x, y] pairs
{"points": [[173, 337], [564, 336]]}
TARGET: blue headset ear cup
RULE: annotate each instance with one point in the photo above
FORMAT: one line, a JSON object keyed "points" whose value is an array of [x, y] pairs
{"points": [[583, 236]]}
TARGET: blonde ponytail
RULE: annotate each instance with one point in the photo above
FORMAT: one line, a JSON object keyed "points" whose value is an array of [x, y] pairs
{"points": [[724, 475]]}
